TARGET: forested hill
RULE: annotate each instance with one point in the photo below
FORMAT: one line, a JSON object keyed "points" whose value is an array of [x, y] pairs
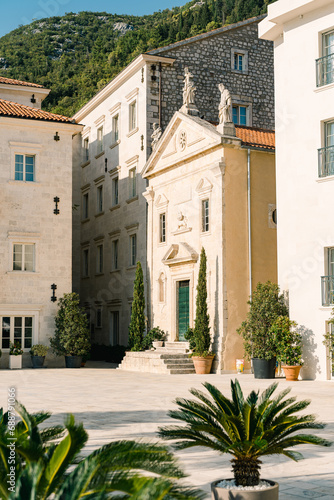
{"points": [[77, 54]]}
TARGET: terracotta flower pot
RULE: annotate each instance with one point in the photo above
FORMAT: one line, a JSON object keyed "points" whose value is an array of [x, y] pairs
{"points": [[270, 493], [291, 372], [202, 365]]}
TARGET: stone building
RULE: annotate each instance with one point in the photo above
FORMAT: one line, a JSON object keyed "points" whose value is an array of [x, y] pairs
{"points": [[199, 196], [110, 228], [35, 214], [303, 36]]}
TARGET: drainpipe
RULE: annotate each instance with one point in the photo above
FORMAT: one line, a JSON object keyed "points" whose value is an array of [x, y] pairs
{"points": [[249, 222], [160, 96]]}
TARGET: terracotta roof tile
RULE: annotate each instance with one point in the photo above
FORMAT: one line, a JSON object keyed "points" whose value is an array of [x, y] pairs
{"points": [[256, 137], [15, 110], [11, 81]]}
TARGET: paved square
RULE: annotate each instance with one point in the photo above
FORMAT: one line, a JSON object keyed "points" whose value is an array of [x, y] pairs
{"points": [[114, 404]]}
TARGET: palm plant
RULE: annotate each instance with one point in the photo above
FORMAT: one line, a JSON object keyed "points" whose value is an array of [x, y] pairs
{"points": [[41, 465], [247, 429]]}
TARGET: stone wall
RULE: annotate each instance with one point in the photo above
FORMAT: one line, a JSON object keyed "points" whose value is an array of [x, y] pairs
{"points": [[209, 60]]}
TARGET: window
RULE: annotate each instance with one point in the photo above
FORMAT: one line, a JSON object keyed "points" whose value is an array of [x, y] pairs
{"points": [[115, 128], [23, 257], [327, 282], [86, 149], [85, 206], [25, 168], [99, 317], [205, 216], [132, 115], [133, 249], [99, 259], [132, 183], [239, 115], [99, 199], [326, 154], [114, 328], [162, 229], [325, 64], [17, 329], [99, 140], [114, 255], [85, 263], [238, 61], [115, 191]]}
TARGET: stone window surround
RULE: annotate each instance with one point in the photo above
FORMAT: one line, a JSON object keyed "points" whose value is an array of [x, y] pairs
{"points": [[115, 110], [161, 205], [132, 98], [115, 235], [132, 230], [85, 190], [99, 183], [85, 134], [115, 172], [100, 124], [25, 148], [99, 242], [204, 190], [244, 53], [98, 324], [238, 100], [24, 238], [132, 163], [23, 310]]}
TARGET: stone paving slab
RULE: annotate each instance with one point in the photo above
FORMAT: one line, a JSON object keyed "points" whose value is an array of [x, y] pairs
{"points": [[114, 404]]}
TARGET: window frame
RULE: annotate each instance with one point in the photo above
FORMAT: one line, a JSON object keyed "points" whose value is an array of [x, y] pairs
{"points": [[133, 115], [162, 227], [237, 52], [115, 131], [132, 179], [12, 328], [115, 254], [205, 215], [238, 107], [133, 245], [99, 199], [99, 259], [114, 314], [115, 191], [23, 254], [100, 140], [24, 167], [85, 262], [86, 149]]}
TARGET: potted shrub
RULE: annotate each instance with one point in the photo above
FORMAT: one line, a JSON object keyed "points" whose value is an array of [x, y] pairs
{"points": [[266, 305], [202, 356], [38, 353], [72, 338], [155, 338], [247, 428], [289, 346], [15, 355]]}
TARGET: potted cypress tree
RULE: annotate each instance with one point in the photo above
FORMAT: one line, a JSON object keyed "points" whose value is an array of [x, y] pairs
{"points": [[72, 338], [202, 356], [246, 428], [137, 323], [266, 305]]}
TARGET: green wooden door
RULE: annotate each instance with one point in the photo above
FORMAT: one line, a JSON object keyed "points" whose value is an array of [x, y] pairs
{"points": [[183, 308]]}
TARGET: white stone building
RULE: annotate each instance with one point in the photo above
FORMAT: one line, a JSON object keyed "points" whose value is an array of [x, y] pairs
{"points": [[35, 215], [110, 227], [303, 36]]}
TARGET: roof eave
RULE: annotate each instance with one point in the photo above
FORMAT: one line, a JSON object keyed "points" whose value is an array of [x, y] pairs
{"points": [[116, 82]]}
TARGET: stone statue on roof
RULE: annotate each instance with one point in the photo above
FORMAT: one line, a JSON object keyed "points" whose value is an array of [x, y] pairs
{"points": [[188, 94], [225, 105], [156, 134]]}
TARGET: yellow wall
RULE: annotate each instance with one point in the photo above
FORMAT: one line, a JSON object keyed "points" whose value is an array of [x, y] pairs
{"points": [[235, 239]]}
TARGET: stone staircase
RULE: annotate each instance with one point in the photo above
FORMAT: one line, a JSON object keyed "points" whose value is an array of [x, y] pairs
{"points": [[172, 359]]}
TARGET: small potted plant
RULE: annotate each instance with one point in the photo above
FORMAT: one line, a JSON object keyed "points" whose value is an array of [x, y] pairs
{"points": [[38, 353], [202, 355], [15, 355], [246, 428], [266, 305], [72, 338], [289, 346], [155, 338]]}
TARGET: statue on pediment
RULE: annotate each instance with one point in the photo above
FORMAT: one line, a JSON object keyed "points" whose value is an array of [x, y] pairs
{"points": [[225, 105]]}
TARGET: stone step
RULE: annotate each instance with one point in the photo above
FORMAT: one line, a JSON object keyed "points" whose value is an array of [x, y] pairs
{"points": [[173, 351], [186, 366], [182, 361], [177, 345], [182, 371]]}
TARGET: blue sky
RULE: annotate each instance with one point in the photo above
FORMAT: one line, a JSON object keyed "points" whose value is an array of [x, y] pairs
{"points": [[16, 12]]}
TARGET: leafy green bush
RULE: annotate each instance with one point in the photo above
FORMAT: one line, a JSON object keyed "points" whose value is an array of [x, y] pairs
{"points": [[72, 337], [39, 350], [287, 340], [266, 305], [155, 334], [246, 428], [190, 337], [15, 348]]}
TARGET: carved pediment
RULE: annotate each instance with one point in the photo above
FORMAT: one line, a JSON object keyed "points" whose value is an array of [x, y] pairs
{"points": [[161, 201], [185, 138], [181, 253], [204, 186]]}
